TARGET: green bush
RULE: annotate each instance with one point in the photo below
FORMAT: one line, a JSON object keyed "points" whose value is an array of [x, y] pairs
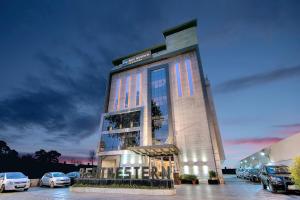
{"points": [[295, 170], [212, 174], [188, 177]]}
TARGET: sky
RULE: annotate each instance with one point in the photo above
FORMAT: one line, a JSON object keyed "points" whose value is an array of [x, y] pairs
{"points": [[55, 57]]}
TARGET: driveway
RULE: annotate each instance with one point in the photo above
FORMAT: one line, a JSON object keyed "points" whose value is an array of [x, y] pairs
{"points": [[234, 189]]}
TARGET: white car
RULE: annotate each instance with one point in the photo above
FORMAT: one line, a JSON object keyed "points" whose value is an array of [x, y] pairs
{"points": [[53, 179], [13, 181]]}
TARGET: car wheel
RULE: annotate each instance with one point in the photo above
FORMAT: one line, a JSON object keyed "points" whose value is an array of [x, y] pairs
{"points": [[271, 188], [52, 184], [41, 183], [2, 188], [26, 189]]}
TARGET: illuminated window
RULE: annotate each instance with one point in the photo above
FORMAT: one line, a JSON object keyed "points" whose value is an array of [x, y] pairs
{"points": [[117, 94], [138, 89], [177, 70], [189, 76], [127, 91]]}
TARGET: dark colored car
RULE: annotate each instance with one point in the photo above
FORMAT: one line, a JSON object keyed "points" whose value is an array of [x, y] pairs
{"points": [[276, 177], [254, 175], [73, 176]]}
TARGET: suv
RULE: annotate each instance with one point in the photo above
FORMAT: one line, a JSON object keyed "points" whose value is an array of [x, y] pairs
{"points": [[13, 181], [276, 177], [254, 175]]}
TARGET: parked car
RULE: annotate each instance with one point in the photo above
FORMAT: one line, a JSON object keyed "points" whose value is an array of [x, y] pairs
{"points": [[73, 176], [276, 177], [254, 175], [246, 174], [13, 181], [239, 173], [53, 179]]}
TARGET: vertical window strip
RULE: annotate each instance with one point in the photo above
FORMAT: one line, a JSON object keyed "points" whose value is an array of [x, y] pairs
{"points": [[138, 89], [178, 77], [116, 100], [119, 96], [127, 86], [189, 76]]}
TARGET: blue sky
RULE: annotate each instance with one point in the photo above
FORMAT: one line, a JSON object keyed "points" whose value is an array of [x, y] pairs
{"points": [[55, 57]]}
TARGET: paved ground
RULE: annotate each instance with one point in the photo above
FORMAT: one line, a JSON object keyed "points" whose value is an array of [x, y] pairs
{"points": [[234, 189]]}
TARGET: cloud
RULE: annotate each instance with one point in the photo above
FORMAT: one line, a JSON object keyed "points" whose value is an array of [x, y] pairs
{"points": [[295, 125], [287, 129], [254, 141], [66, 102], [257, 79]]}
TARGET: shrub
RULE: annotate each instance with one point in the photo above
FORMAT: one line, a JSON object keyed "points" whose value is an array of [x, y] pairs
{"points": [[188, 177], [212, 174], [295, 170]]}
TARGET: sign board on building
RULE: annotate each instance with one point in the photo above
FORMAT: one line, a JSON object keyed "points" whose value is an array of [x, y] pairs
{"points": [[137, 58]]}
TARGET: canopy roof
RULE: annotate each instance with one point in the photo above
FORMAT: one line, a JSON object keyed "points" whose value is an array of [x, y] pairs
{"points": [[156, 150]]}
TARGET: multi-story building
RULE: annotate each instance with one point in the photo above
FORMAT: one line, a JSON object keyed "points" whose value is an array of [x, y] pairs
{"points": [[159, 109]]}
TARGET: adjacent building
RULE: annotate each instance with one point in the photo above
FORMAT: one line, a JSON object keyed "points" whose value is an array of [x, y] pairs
{"points": [[159, 110], [280, 153]]}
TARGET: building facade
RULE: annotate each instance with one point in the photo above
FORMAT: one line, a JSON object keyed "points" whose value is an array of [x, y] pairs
{"points": [[279, 153], [159, 110]]}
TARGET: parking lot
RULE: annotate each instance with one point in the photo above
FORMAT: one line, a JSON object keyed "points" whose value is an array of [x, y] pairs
{"points": [[234, 189]]}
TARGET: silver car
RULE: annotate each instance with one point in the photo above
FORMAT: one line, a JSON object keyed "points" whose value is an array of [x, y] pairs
{"points": [[13, 181], [54, 179]]}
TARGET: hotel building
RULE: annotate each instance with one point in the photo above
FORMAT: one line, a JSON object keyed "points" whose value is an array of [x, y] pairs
{"points": [[159, 110]]}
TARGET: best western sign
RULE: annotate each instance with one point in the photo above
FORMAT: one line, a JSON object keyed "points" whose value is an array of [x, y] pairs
{"points": [[137, 58], [134, 173]]}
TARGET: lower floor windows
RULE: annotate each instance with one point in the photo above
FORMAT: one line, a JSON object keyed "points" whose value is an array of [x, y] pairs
{"points": [[119, 141]]}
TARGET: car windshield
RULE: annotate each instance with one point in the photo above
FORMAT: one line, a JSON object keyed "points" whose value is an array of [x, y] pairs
{"points": [[278, 170], [58, 174], [15, 175]]}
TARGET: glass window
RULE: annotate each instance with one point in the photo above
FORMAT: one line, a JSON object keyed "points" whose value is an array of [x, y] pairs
{"points": [[117, 94], [120, 121], [119, 141], [159, 107], [127, 91], [189, 76], [138, 89], [178, 77]]}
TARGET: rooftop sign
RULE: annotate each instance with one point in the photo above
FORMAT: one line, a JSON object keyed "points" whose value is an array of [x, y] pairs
{"points": [[137, 58]]}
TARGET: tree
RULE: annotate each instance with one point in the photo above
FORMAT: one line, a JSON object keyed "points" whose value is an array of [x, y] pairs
{"points": [[92, 155], [295, 170], [41, 155], [53, 156], [44, 156], [4, 149]]}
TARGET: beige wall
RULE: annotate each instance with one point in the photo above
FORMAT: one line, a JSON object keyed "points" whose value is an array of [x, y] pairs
{"points": [[284, 151], [190, 123]]}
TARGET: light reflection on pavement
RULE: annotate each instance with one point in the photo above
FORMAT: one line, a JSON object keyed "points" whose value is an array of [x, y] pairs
{"points": [[234, 189]]}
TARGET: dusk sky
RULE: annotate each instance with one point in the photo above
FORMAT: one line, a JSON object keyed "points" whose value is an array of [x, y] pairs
{"points": [[55, 57]]}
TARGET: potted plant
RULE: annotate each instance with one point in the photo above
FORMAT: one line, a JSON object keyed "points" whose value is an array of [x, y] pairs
{"points": [[189, 178], [213, 178]]}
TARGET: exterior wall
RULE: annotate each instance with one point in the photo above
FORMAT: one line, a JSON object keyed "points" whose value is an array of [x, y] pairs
{"points": [[282, 152], [193, 121], [190, 123]]}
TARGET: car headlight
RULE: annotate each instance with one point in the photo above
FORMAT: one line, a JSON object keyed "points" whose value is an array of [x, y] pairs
{"points": [[275, 179]]}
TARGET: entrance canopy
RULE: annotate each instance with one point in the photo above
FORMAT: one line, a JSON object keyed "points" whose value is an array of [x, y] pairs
{"points": [[156, 150]]}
